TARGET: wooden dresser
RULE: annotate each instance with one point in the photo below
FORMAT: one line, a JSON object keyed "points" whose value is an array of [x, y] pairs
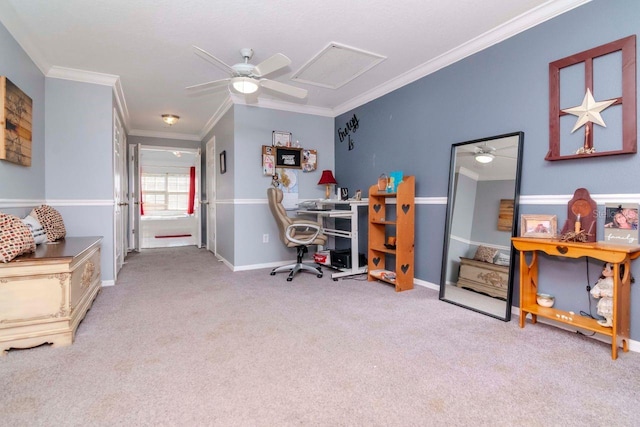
{"points": [[485, 277], [44, 295]]}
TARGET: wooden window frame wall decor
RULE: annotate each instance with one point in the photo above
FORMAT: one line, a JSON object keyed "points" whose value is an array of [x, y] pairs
{"points": [[627, 46], [16, 117]]}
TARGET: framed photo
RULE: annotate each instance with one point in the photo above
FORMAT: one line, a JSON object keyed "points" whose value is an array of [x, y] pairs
{"points": [[539, 226], [223, 162], [621, 223], [290, 158], [281, 139]]}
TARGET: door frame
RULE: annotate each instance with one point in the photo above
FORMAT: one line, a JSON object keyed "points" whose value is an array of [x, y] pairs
{"points": [[210, 188], [136, 173]]}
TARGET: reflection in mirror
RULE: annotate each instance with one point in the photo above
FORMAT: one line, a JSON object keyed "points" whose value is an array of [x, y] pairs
{"points": [[482, 212]]}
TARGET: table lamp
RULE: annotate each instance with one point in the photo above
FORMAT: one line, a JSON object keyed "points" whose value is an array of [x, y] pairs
{"points": [[327, 179]]}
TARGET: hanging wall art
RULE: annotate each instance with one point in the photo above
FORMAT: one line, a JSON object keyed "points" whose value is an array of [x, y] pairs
{"points": [[592, 102]]}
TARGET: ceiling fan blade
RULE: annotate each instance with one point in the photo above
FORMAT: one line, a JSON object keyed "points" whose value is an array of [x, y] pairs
{"points": [[270, 65], [209, 85], [284, 88], [212, 59]]}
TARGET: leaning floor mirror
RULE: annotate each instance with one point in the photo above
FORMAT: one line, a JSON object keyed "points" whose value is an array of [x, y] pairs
{"points": [[482, 212]]}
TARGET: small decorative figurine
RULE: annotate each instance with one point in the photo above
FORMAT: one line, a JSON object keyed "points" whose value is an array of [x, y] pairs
{"points": [[603, 289]]}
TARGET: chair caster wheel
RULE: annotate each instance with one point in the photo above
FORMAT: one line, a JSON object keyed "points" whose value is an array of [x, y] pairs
{"points": [[319, 276], [335, 280], [289, 279], [272, 273]]}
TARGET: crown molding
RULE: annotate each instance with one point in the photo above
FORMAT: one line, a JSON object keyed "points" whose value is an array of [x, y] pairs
{"points": [[165, 135], [215, 118], [82, 76], [284, 106], [92, 77], [542, 13], [122, 104]]}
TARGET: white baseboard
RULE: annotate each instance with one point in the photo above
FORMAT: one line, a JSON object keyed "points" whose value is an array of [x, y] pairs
{"points": [[261, 266], [106, 283]]}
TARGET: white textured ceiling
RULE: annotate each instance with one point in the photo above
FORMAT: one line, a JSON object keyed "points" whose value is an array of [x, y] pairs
{"points": [[145, 45]]}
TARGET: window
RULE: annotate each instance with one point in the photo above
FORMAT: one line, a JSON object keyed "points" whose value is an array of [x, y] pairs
{"points": [[165, 191]]}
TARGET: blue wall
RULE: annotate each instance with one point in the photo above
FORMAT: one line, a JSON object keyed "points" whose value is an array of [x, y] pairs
{"points": [[20, 182], [499, 90]]}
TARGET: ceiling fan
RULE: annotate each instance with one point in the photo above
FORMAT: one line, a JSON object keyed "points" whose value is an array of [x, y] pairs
{"points": [[246, 78]]}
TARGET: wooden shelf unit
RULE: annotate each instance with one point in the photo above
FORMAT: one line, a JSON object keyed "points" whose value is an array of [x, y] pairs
{"points": [[618, 255], [384, 221]]}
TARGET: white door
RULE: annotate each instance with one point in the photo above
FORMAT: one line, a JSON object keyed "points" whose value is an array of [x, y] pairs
{"points": [[119, 192], [210, 203], [198, 204], [134, 197]]}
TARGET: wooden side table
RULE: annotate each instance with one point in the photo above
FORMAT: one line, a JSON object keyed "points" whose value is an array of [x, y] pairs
{"points": [[618, 255]]}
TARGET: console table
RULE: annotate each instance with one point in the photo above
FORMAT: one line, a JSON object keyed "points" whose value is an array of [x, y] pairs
{"points": [[617, 255], [44, 295]]}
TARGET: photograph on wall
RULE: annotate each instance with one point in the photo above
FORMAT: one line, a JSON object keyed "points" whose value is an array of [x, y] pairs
{"points": [[281, 139], [268, 160], [309, 160], [621, 223], [16, 113]]}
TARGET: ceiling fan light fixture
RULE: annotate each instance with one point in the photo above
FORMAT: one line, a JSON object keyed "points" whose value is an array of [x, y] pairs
{"points": [[244, 85], [170, 119], [484, 157]]}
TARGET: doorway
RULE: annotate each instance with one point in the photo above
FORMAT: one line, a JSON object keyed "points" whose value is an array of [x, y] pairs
{"points": [[169, 208]]}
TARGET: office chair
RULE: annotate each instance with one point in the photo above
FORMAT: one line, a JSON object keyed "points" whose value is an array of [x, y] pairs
{"points": [[295, 233]]}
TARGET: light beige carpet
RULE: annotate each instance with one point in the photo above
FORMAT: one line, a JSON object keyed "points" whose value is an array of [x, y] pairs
{"points": [[181, 340]]}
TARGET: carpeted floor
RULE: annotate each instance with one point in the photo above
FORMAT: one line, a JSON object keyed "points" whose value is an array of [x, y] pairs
{"points": [[181, 340]]}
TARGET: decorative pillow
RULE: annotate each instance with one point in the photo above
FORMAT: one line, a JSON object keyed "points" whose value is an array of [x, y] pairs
{"points": [[51, 220], [15, 238], [39, 235], [485, 253], [502, 259]]}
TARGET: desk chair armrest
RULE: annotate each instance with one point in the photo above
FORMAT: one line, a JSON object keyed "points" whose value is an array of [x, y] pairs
{"points": [[303, 226]]}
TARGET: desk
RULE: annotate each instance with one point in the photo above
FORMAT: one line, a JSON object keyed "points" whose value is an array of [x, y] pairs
{"points": [[618, 255], [352, 234]]}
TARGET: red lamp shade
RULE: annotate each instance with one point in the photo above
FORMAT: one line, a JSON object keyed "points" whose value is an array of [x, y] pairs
{"points": [[327, 179]]}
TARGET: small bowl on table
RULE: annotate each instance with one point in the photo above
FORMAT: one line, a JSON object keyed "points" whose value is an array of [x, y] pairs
{"points": [[545, 300]]}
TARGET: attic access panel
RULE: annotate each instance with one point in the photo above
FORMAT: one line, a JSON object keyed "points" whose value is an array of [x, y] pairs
{"points": [[336, 65]]}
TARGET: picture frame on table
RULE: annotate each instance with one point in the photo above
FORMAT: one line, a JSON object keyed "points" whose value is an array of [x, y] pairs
{"points": [[621, 223], [538, 226], [281, 139], [223, 162]]}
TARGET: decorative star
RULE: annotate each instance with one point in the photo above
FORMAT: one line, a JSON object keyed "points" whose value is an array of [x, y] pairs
{"points": [[589, 111]]}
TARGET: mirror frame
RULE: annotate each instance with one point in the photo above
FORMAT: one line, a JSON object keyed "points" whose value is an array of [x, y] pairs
{"points": [[514, 226]]}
